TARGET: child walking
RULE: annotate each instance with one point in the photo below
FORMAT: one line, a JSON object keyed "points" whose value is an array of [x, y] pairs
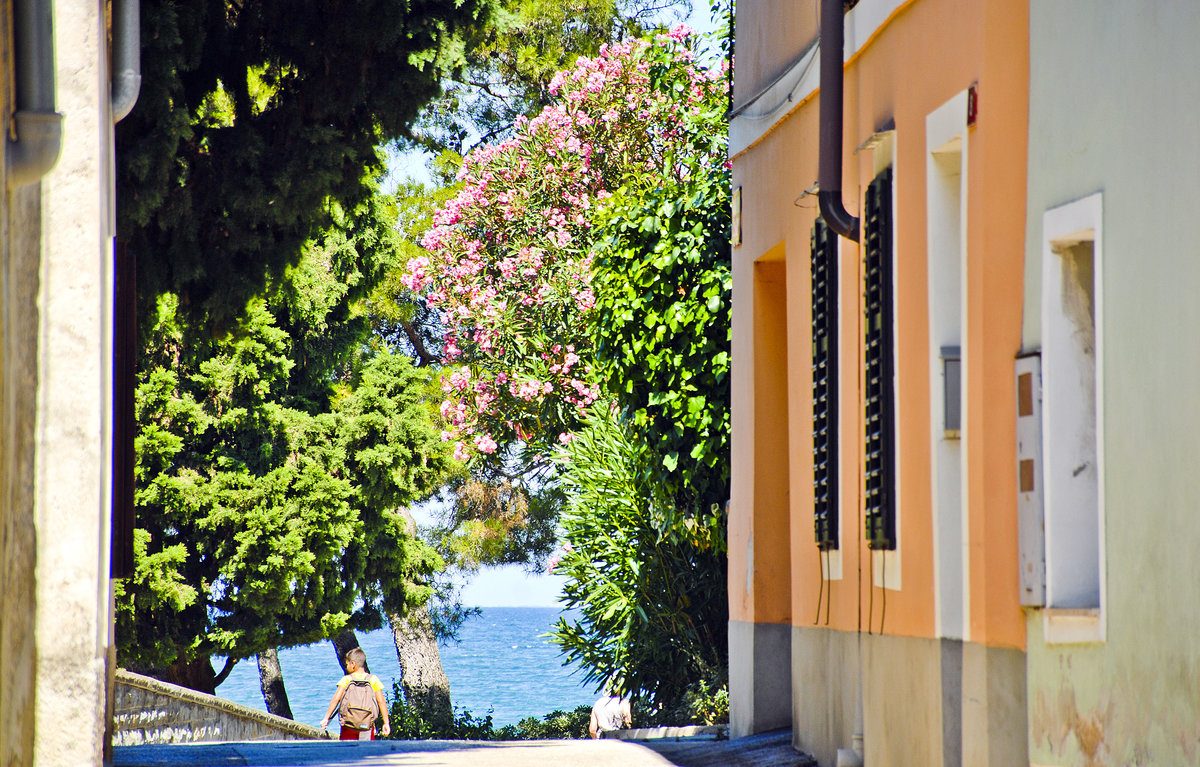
{"points": [[359, 696]]}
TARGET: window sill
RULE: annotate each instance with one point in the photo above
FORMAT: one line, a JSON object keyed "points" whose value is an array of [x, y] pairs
{"points": [[1066, 625]]}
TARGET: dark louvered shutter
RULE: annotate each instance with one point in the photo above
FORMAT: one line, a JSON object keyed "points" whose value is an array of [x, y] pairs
{"points": [[880, 502], [825, 385]]}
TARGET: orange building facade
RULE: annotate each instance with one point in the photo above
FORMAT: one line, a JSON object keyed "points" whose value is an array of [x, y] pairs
{"points": [[873, 538]]}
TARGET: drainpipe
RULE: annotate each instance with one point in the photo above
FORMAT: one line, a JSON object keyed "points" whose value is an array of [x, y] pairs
{"points": [[829, 170], [829, 200], [38, 141], [126, 57]]}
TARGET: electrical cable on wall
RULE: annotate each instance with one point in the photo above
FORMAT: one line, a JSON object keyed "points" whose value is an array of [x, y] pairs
{"points": [[820, 587], [858, 486], [883, 587], [829, 600], [871, 590]]}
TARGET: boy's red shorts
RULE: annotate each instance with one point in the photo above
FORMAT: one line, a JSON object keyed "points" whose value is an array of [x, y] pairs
{"points": [[349, 733]]}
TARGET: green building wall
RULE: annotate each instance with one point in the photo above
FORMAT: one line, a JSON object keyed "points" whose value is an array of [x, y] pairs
{"points": [[1114, 107]]}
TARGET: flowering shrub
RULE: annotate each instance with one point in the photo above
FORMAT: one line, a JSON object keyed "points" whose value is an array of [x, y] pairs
{"points": [[508, 261]]}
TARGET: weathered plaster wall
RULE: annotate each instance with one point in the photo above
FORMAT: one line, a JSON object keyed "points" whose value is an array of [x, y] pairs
{"points": [[20, 233], [150, 711], [758, 527], [1113, 107], [825, 670], [73, 402], [931, 702], [766, 50], [760, 666]]}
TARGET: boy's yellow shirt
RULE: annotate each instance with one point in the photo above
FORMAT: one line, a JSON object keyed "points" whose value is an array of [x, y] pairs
{"points": [[360, 676]]}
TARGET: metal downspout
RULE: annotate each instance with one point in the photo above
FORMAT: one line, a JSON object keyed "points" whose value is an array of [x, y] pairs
{"points": [[38, 127], [829, 199], [829, 170], [126, 57]]}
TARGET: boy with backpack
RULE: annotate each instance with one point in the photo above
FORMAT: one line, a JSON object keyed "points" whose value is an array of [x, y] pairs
{"points": [[359, 695]]}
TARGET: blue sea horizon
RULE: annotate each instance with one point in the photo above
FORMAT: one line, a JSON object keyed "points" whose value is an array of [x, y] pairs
{"points": [[501, 666]]}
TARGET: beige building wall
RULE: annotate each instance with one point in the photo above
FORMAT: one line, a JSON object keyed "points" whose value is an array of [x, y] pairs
{"points": [[74, 402], [20, 232], [55, 400]]}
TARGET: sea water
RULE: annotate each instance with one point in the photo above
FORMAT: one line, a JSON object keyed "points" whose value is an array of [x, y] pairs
{"points": [[501, 665]]}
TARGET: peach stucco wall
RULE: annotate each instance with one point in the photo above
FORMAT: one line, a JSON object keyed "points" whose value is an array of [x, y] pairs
{"points": [[766, 50], [925, 53], [759, 566]]}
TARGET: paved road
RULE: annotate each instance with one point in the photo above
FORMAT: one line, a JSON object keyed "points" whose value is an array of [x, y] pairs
{"points": [[537, 753], [769, 750]]}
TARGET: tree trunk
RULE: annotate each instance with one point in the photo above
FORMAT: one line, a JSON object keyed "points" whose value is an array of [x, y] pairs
{"points": [[421, 674], [270, 678], [344, 643], [197, 674]]}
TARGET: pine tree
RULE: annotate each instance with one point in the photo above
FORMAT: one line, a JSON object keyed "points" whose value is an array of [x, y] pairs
{"points": [[252, 118], [272, 462]]}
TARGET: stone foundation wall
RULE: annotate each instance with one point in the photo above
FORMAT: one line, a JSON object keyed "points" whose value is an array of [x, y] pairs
{"points": [[150, 711]]}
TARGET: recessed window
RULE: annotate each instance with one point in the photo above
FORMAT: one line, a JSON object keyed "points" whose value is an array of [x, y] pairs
{"points": [[946, 143], [1072, 444]]}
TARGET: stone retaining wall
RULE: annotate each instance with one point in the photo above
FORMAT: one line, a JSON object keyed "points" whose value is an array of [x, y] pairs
{"points": [[150, 711]]}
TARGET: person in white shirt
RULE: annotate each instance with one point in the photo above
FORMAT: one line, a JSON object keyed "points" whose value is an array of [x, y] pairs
{"points": [[610, 713]]}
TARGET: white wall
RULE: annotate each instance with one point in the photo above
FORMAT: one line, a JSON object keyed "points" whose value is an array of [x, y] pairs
{"points": [[73, 403]]}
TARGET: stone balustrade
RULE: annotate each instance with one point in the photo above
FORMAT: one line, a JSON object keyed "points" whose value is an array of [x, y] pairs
{"points": [[147, 710]]}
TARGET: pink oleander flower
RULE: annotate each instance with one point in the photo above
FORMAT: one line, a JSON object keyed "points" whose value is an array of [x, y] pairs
{"points": [[485, 444], [507, 262], [458, 380]]}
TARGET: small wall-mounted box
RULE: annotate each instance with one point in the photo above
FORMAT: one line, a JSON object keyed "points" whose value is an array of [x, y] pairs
{"points": [[952, 392], [1031, 524]]}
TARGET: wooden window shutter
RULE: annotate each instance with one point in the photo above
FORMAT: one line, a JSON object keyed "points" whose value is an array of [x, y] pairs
{"points": [[824, 253], [879, 360]]}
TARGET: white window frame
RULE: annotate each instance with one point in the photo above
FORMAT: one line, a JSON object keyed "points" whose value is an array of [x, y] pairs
{"points": [[946, 136], [1065, 619]]}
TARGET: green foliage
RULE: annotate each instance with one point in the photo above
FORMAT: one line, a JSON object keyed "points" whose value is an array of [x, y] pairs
{"points": [[322, 299], [557, 725], [270, 464], [647, 481], [704, 702], [653, 609], [398, 316], [412, 722], [497, 522], [508, 64], [663, 299], [252, 118]]}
